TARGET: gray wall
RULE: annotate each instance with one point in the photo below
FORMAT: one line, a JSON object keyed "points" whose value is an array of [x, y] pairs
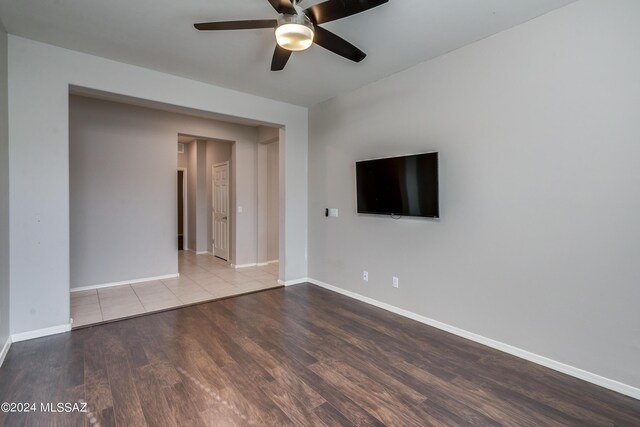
{"points": [[182, 158], [261, 225], [243, 194], [183, 163], [268, 194], [123, 187], [273, 201], [537, 245], [191, 152], [197, 188], [4, 193], [201, 197]]}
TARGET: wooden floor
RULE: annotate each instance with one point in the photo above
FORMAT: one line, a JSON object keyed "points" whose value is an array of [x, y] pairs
{"points": [[293, 356]]}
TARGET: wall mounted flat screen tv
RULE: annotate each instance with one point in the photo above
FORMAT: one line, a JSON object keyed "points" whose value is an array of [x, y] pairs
{"points": [[403, 186]]}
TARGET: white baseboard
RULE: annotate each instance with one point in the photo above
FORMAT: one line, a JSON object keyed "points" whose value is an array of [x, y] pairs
{"points": [[197, 252], [294, 281], [5, 350], [125, 282], [29, 335], [255, 264], [515, 351], [243, 265]]}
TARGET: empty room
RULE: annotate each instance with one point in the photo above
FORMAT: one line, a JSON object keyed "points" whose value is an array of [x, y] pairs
{"points": [[320, 213]]}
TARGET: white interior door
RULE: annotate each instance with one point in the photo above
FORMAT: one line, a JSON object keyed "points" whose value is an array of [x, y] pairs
{"points": [[220, 214]]}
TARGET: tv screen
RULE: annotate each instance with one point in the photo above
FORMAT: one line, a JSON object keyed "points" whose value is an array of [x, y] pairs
{"points": [[406, 185]]}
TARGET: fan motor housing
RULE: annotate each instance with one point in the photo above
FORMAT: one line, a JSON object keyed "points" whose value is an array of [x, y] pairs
{"points": [[294, 32]]}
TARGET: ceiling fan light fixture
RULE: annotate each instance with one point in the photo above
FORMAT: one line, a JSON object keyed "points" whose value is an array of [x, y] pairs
{"points": [[297, 29], [294, 32]]}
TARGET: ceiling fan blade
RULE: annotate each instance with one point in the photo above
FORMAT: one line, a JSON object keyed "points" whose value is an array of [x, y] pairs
{"points": [[337, 44], [283, 6], [336, 9], [237, 25], [280, 58]]}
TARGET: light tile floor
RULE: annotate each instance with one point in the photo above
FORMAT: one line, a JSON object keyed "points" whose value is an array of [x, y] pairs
{"points": [[202, 278]]}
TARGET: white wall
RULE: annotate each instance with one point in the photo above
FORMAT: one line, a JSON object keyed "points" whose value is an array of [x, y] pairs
{"points": [[39, 79], [4, 194], [537, 245], [122, 182]]}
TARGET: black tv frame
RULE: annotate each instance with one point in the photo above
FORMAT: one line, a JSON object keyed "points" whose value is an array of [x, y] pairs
{"points": [[396, 215]]}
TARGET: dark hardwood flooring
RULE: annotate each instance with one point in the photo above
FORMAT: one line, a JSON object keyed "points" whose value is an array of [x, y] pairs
{"points": [[293, 356]]}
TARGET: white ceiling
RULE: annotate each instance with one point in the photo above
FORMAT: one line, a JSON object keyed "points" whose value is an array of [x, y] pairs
{"points": [[158, 34]]}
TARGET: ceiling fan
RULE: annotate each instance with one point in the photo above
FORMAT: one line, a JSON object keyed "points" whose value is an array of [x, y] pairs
{"points": [[296, 28]]}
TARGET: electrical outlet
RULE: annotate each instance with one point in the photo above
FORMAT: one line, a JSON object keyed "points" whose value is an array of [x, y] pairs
{"points": [[395, 282], [365, 275]]}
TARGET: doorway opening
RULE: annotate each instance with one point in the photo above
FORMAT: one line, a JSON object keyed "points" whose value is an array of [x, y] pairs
{"points": [[170, 261], [182, 207], [209, 214]]}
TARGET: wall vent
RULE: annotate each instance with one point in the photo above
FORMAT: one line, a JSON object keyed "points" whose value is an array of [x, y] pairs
{"points": [[180, 148]]}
